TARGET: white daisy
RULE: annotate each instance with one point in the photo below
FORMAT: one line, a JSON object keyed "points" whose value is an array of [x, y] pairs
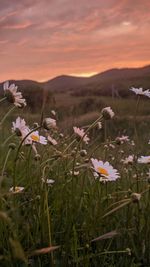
{"points": [[144, 159], [52, 140], [76, 173], [18, 189], [80, 132], [13, 96], [122, 139], [20, 127], [139, 91], [35, 137], [99, 125], [48, 181], [53, 112], [105, 170], [49, 123], [107, 113], [128, 160]]}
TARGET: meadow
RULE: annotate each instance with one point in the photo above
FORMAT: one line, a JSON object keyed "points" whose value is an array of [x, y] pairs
{"points": [[75, 196]]}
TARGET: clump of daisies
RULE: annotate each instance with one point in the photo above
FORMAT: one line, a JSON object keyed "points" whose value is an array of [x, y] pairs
{"points": [[104, 171], [10, 92], [22, 130]]}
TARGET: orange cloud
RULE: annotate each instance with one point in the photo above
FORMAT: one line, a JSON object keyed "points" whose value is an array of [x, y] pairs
{"points": [[43, 39]]}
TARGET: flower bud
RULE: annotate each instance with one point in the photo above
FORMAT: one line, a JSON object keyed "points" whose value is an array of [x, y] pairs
{"points": [[135, 197], [12, 146], [37, 157], [107, 113], [49, 123], [83, 153]]}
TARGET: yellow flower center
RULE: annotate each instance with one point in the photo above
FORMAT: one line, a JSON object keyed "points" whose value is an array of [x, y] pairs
{"points": [[35, 138], [102, 171], [17, 189]]}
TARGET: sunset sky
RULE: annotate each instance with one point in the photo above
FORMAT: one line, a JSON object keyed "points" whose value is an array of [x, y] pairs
{"points": [[41, 39]]}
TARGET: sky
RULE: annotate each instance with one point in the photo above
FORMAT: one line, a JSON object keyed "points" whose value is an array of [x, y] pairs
{"points": [[41, 39]]}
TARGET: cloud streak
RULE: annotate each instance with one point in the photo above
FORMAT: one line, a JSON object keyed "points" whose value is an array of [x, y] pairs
{"points": [[43, 39]]}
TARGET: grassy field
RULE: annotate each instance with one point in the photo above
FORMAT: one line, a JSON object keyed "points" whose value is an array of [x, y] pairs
{"points": [[68, 213]]}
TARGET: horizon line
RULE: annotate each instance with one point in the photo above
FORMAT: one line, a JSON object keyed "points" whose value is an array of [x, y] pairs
{"points": [[83, 75]]}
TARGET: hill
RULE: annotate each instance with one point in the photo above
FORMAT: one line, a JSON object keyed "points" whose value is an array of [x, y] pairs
{"points": [[68, 90]]}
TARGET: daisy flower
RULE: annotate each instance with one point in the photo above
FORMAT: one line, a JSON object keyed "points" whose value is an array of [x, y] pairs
{"points": [[76, 173], [99, 125], [139, 91], [53, 112], [18, 189], [80, 132], [48, 181], [20, 127], [49, 123], [52, 140], [107, 113], [35, 137], [144, 159], [104, 170], [13, 96], [122, 139], [128, 160]]}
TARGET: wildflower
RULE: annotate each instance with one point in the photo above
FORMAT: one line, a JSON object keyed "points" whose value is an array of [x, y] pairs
{"points": [[107, 113], [135, 197], [18, 189], [83, 153], [52, 140], [75, 173], [49, 123], [144, 159], [105, 170], [139, 91], [123, 139], [37, 157], [20, 127], [13, 96], [128, 160], [112, 146], [61, 135], [99, 124], [80, 132], [132, 143], [48, 181], [12, 146], [148, 174], [53, 112], [35, 137]]}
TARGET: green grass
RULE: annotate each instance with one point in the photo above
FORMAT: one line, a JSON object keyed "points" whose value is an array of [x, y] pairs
{"points": [[67, 216]]}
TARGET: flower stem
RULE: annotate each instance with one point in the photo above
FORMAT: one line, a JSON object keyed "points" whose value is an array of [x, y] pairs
{"points": [[9, 137], [6, 115], [2, 99], [4, 166]]}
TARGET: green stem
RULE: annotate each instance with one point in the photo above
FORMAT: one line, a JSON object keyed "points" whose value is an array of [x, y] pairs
{"points": [[17, 153], [4, 166], [2, 99], [9, 137], [135, 117], [6, 115]]}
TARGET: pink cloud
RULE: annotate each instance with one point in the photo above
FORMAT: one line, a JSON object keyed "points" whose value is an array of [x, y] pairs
{"points": [[46, 38]]}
